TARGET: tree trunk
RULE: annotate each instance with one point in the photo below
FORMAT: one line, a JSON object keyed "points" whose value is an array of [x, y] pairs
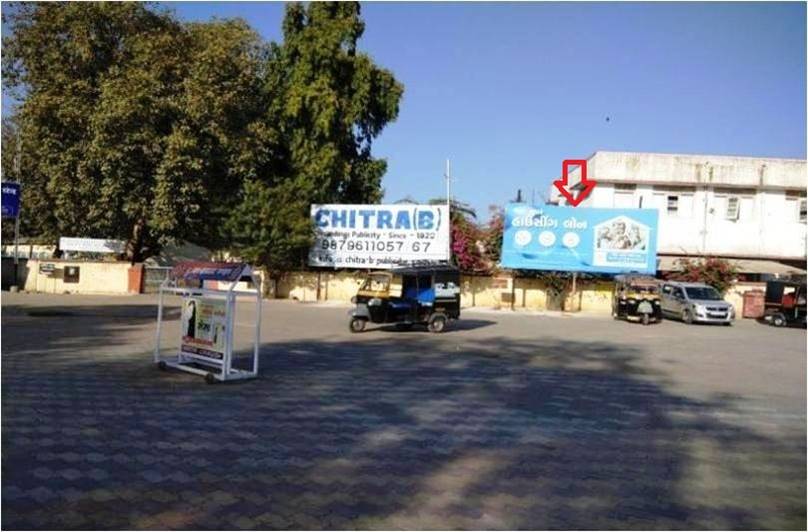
{"points": [[134, 246]]}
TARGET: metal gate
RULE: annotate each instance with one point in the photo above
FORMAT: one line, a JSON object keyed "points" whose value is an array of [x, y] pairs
{"points": [[153, 277]]}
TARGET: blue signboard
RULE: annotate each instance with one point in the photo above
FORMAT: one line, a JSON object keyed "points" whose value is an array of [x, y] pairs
{"points": [[11, 199], [579, 239]]}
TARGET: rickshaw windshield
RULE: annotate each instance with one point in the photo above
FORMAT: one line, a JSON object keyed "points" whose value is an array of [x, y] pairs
{"points": [[644, 288], [377, 283]]}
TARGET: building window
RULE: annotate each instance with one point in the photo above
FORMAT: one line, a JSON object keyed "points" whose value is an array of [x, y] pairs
{"points": [[623, 198], [733, 208], [796, 206], [673, 205]]}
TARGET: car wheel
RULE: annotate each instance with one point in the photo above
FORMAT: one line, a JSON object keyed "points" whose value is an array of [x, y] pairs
{"points": [[357, 325], [687, 317], [437, 323]]}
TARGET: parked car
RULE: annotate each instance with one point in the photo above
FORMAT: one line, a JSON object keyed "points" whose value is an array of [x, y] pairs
{"points": [[785, 303], [695, 302]]}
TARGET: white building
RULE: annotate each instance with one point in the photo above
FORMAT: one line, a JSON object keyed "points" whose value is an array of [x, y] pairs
{"points": [[746, 208]]}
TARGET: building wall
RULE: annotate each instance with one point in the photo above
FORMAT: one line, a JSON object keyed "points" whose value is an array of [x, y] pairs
{"points": [[768, 193], [482, 292], [476, 291], [94, 277]]}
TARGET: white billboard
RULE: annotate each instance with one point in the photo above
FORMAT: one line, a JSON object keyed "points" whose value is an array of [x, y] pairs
{"points": [[93, 245], [379, 236]]}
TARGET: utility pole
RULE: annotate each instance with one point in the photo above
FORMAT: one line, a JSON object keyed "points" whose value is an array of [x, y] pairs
{"points": [[19, 210], [448, 177]]}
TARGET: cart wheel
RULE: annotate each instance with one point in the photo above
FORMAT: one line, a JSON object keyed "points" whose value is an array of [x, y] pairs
{"points": [[162, 365], [687, 317], [210, 378], [646, 319], [357, 325], [778, 320], [437, 323]]}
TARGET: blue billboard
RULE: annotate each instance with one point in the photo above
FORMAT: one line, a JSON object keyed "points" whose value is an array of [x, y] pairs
{"points": [[11, 199], [578, 239]]}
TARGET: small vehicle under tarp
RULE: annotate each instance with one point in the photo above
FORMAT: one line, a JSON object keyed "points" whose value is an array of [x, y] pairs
{"points": [[422, 295], [636, 296], [785, 303]]}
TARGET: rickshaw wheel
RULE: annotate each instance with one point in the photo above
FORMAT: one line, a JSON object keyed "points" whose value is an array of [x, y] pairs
{"points": [[357, 325], [778, 321], [437, 323], [210, 379], [646, 319]]}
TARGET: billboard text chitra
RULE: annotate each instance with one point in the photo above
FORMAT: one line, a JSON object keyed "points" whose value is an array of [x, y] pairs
{"points": [[379, 236], [204, 326]]}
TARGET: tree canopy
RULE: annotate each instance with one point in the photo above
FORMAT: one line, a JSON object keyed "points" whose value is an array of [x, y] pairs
{"points": [[134, 125]]}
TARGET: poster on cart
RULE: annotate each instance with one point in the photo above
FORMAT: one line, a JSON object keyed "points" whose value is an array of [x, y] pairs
{"points": [[204, 327], [549, 237], [379, 236]]}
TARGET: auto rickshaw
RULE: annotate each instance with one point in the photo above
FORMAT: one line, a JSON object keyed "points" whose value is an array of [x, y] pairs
{"points": [[636, 296], [425, 295], [785, 303]]}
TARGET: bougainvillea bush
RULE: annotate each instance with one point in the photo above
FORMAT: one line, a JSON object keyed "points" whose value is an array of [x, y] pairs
{"points": [[718, 273]]}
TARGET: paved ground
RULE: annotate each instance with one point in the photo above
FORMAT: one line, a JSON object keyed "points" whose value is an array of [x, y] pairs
{"points": [[506, 421]]}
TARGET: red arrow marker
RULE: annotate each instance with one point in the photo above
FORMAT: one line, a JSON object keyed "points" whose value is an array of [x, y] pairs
{"points": [[561, 184]]}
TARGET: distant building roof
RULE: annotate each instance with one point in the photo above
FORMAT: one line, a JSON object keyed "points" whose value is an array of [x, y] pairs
{"points": [[692, 169]]}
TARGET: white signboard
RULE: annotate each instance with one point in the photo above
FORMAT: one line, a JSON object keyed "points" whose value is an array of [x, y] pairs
{"points": [[92, 245], [379, 236]]}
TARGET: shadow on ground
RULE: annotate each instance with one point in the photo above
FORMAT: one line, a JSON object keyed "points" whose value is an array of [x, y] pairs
{"points": [[382, 433]]}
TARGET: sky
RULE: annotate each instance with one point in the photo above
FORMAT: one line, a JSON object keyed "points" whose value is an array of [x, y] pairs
{"points": [[507, 91]]}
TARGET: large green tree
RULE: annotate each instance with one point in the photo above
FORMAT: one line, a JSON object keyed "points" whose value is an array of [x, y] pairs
{"points": [[329, 102], [134, 125]]}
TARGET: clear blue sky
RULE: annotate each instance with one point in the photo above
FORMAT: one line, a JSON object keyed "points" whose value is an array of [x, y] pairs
{"points": [[509, 90]]}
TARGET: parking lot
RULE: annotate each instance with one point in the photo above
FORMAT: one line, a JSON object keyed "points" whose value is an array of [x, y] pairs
{"points": [[504, 421]]}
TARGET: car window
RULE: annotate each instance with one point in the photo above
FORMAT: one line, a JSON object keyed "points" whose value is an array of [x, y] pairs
{"points": [[666, 289], [703, 292], [677, 292]]}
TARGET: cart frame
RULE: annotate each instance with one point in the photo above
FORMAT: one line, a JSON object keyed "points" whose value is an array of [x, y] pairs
{"points": [[230, 274]]}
